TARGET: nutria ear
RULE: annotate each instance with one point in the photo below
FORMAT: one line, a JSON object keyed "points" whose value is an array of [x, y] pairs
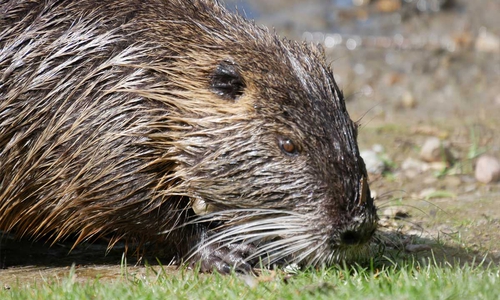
{"points": [[226, 81]]}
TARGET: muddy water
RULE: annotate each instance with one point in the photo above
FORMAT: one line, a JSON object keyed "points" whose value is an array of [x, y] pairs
{"points": [[409, 70]]}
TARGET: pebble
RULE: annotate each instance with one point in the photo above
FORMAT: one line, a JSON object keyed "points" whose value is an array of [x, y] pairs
{"points": [[487, 42], [411, 163], [374, 165], [388, 6], [385, 223], [427, 192], [487, 169], [435, 166], [411, 167], [395, 212], [434, 150], [408, 100], [378, 148], [360, 2]]}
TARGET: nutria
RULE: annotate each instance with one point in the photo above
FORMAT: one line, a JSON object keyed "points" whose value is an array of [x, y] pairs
{"points": [[180, 124]]}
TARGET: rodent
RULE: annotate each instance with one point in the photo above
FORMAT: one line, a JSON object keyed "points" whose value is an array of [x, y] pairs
{"points": [[177, 123]]}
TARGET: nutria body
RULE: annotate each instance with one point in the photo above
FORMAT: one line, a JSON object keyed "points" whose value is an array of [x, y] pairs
{"points": [[175, 123]]}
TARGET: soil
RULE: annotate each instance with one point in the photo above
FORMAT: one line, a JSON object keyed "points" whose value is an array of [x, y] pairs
{"points": [[410, 70]]}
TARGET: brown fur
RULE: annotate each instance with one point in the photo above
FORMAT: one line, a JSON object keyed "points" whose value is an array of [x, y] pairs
{"points": [[116, 116]]}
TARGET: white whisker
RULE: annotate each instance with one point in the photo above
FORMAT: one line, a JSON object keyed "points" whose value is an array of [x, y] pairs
{"points": [[279, 236]]}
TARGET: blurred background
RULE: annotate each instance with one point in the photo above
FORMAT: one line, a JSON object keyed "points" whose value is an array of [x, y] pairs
{"points": [[393, 56]]}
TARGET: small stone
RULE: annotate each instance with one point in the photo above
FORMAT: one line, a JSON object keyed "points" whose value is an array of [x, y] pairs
{"points": [[374, 165], [482, 222], [436, 166], [414, 232], [388, 6], [396, 213], [408, 100], [411, 167], [427, 192], [361, 2], [487, 41], [378, 148], [411, 163], [487, 169], [386, 223], [434, 150], [413, 248]]}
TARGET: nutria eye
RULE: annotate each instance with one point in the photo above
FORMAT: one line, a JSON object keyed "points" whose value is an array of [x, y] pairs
{"points": [[226, 81], [288, 147]]}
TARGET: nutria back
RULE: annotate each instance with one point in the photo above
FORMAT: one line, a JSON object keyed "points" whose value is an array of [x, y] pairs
{"points": [[180, 124]]}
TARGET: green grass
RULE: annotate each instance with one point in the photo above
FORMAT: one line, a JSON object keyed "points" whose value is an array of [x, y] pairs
{"points": [[410, 281]]}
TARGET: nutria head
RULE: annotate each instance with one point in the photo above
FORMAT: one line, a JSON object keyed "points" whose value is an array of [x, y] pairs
{"points": [[180, 121], [270, 148]]}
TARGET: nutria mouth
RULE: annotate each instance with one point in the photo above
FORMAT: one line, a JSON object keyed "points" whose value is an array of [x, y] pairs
{"points": [[176, 123]]}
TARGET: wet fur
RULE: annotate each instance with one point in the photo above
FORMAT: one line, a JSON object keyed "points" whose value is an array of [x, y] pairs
{"points": [[112, 122]]}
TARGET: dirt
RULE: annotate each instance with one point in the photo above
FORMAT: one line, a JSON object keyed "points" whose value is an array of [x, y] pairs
{"points": [[409, 71]]}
